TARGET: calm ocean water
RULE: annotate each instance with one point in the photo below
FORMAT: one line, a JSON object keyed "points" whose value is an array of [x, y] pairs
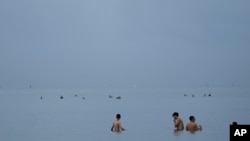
{"points": [[146, 113]]}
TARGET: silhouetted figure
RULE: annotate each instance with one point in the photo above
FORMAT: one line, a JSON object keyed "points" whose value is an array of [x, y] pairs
{"points": [[110, 96], [41, 97], [192, 125], [192, 95], [209, 95], [117, 125], [178, 123], [61, 97], [75, 95], [118, 97], [185, 94], [83, 97]]}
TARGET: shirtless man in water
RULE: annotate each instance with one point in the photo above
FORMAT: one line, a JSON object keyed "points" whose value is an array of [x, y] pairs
{"points": [[178, 123], [192, 125], [117, 126]]}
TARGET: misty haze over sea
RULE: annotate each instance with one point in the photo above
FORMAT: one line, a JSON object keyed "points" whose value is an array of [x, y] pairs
{"points": [[78, 44], [67, 67]]}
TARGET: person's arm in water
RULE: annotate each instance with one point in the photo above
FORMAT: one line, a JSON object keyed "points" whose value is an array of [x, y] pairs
{"points": [[176, 122], [112, 128], [198, 127]]}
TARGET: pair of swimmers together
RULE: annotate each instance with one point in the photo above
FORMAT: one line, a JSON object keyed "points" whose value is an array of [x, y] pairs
{"points": [[191, 126]]}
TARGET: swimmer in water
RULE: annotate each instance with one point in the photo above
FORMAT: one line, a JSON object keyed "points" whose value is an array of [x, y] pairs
{"points": [[117, 126]]}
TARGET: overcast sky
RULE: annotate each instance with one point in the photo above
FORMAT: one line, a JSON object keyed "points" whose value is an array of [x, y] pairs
{"points": [[148, 43]]}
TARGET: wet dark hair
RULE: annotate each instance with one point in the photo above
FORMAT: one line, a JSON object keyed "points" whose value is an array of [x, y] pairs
{"points": [[175, 114], [118, 116], [191, 117]]}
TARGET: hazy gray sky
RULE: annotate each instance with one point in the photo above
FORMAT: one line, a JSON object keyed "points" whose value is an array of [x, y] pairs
{"points": [[149, 43]]}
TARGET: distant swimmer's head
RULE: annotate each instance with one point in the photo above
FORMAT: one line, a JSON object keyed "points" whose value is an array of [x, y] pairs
{"points": [[175, 115], [192, 118], [234, 123], [118, 116]]}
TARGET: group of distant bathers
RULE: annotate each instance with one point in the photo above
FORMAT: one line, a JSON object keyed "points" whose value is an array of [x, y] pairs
{"points": [[178, 124], [191, 126]]}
